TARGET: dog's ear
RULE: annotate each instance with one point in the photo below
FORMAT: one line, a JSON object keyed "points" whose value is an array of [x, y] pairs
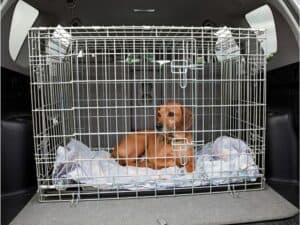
{"points": [[187, 118]]}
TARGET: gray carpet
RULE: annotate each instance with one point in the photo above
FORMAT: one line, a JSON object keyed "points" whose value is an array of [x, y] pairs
{"points": [[290, 221], [186, 210]]}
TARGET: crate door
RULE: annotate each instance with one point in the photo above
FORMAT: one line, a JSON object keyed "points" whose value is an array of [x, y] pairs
{"points": [[161, 70], [101, 89]]}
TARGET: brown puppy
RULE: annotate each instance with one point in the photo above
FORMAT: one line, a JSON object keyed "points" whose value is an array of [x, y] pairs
{"points": [[157, 148]]}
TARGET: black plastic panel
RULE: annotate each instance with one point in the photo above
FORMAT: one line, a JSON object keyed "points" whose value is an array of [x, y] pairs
{"points": [[282, 150]]}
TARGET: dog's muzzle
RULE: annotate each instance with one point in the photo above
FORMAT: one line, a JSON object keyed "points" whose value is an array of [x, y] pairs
{"points": [[159, 127]]}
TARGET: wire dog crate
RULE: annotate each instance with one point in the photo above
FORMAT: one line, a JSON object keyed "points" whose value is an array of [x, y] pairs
{"points": [[93, 87]]}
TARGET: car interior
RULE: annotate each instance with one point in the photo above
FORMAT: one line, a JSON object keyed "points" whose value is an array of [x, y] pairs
{"points": [[19, 184]]}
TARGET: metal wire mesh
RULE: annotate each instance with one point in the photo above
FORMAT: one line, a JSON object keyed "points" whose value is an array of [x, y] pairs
{"points": [[99, 84]]}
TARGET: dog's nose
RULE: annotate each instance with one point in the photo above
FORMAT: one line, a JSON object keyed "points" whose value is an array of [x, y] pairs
{"points": [[159, 126]]}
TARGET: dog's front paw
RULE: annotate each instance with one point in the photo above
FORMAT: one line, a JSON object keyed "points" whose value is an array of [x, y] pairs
{"points": [[142, 163], [190, 167]]}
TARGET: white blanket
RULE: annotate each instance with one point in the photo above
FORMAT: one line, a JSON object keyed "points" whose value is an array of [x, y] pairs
{"points": [[227, 160]]}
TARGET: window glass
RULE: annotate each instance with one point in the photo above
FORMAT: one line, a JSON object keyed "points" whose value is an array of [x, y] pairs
{"points": [[262, 18]]}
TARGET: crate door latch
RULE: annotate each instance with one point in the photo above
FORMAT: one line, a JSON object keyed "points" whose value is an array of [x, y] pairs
{"points": [[180, 67], [180, 145]]}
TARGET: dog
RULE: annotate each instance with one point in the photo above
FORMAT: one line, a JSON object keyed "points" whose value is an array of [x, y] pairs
{"points": [[172, 121]]}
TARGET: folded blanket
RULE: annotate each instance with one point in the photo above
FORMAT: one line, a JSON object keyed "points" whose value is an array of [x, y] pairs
{"points": [[227, 160]]}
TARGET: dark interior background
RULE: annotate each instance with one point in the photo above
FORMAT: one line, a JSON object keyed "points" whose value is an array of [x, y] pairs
{"points": [[18, 180], [282, 150]]}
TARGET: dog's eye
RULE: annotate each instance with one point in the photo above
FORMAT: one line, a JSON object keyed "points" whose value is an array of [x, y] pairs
{"points": [[158, 114], [170, 114]]}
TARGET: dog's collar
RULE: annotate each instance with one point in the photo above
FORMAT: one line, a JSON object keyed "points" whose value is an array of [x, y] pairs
{"points": [[166, 138]]}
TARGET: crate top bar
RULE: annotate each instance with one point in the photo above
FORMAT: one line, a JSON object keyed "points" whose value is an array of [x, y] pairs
{"points": [[152, 31], [145, 27]]}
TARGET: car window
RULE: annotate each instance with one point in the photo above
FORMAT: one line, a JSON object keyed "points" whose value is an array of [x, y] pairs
{"points": [[262, 18]]}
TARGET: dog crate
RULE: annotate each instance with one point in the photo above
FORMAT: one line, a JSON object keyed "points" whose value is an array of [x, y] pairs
{"points": [[92, 86]]}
